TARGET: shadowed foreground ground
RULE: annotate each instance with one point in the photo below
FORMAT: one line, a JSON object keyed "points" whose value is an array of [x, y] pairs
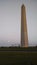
{"points": [[16, 56]]}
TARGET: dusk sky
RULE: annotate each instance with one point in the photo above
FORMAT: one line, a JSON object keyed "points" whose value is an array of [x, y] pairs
{"points": [[10, 21]]}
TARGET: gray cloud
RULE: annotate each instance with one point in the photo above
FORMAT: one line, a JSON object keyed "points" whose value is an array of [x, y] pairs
{"points": [[10, 20]]}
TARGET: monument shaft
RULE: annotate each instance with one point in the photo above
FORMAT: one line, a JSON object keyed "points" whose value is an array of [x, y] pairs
{"points": [[24, 36]]}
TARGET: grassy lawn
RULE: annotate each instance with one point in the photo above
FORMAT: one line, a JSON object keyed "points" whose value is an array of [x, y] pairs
{"points": [[18, 57]]}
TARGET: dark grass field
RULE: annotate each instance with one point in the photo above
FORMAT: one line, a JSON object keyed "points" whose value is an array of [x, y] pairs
{"points": [[18, 56]]}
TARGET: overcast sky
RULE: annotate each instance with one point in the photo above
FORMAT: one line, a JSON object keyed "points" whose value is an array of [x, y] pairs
{"points": [[10, 21]]}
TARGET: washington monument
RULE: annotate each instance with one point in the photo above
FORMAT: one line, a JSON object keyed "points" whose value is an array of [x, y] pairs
{"points": [[24, 36]]}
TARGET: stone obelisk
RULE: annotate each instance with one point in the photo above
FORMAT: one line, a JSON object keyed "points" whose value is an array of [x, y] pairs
{"points": [[24, 36]]}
